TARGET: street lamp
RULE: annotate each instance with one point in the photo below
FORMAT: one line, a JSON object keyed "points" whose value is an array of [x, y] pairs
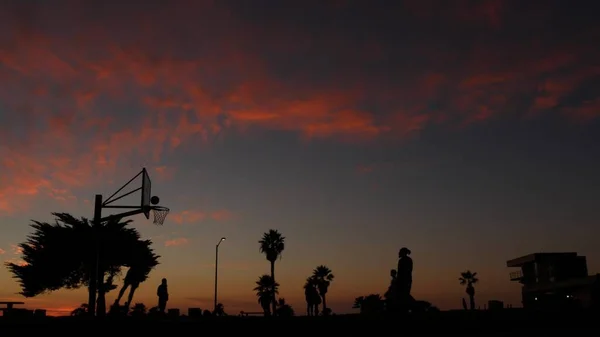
{"points": [[217, 270]]}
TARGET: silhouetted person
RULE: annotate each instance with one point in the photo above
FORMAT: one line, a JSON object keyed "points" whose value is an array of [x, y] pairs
{"points": [[313, 299], [308, 298], [163, 295], [131, 280], [391, 295], [404, 279]]}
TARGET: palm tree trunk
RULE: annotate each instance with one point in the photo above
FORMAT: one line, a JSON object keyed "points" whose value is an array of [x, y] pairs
{"points": [[324, 303], [472, 300], [273, 295]]}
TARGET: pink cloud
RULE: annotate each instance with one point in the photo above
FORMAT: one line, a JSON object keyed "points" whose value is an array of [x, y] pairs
{"points": [[164, 172], [176, 242], [72, 83], [194, 216], [221, 215]]}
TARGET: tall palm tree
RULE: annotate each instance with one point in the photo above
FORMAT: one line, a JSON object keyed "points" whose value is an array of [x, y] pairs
{"points": [[62, 255], [323, 278], [272, 245], [265, 289], [469, 279]]}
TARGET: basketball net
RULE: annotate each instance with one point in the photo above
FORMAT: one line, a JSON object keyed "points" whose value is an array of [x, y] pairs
{"points": [[160, 214]]}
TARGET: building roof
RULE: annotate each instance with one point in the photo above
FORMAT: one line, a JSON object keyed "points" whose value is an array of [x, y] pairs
{"points": [[518, 262]]}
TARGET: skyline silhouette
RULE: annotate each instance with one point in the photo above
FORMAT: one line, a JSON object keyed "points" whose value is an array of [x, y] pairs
{"points": [[467, 133]]}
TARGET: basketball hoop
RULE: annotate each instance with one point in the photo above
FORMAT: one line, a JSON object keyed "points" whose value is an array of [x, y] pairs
{"points": [[160, 214]]}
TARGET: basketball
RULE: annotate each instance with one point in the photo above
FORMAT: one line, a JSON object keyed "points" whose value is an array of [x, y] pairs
{"points": [[154, 200]]}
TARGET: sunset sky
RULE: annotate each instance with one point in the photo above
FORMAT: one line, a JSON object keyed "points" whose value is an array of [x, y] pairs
{"points": [[468, 131]]}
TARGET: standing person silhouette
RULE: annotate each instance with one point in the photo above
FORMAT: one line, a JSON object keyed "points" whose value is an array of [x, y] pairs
{"points": [[391, 295], [163, 295], [404, 279]]}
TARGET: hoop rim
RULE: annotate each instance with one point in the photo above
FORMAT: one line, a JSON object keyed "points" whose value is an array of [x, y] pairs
{"points": [[160, 208]]}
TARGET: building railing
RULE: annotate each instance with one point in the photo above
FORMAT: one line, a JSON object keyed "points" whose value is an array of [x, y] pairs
{"points": [[516, 275]]}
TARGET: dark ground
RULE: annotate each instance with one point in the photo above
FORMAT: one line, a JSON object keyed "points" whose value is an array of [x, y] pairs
{"points": [[483, 323]]}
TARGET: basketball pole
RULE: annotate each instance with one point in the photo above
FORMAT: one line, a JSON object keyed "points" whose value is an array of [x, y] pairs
{"points": [[96, 277], [93, 286]]}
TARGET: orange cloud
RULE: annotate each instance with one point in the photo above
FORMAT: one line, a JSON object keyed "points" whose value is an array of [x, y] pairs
{"points": [[2, 251], [16, 250], [83, 102], [176, 242]]}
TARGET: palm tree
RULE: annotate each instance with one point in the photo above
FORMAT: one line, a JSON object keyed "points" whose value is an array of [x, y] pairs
{"points": [[265, 289], [469, 279], [62, 255], [323, 278], [272, 245]]}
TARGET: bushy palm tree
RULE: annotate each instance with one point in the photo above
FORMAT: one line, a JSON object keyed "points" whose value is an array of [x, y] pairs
{"points": [[272, 245], [265, 288], [469, 279], [63, 255], [323, 278]]}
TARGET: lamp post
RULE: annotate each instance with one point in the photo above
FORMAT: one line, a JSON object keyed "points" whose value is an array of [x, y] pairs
{"points": [[217, 271]]}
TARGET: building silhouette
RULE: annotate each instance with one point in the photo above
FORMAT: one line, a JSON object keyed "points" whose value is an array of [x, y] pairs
{"points": [[555, 281]]}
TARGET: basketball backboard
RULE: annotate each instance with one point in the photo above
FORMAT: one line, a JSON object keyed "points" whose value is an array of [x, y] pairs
{"points": [[145, 194]]}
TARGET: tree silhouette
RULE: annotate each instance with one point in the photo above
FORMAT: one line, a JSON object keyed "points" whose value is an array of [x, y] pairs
{"points": [[284, 309], [81, 311], [220, 310], [62, 255], [323, 278], [265, 289], [469, 279], [371, 304], [272, 245], [139, 310]]}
